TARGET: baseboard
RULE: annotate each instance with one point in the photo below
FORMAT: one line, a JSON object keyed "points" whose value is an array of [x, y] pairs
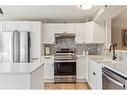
{"points": [[48, 80], [81, 80], [77, 80]]}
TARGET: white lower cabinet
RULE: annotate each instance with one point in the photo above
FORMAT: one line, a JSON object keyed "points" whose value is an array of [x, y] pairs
{"points": [[48, 72], [94, 75], [48, 68], [82, 69]]}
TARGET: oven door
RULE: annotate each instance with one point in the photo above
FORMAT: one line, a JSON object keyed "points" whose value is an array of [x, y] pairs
{"points": [[64, 68], [65, 72]]}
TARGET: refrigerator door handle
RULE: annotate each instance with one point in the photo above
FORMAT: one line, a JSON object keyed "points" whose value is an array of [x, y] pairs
{"points": [[29, 40]]}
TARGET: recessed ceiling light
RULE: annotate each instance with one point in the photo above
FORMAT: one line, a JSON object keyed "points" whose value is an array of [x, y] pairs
{"points": [[85, 6]]}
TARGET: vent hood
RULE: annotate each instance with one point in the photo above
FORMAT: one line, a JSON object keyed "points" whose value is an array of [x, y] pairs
{"points": [[65, 34]]}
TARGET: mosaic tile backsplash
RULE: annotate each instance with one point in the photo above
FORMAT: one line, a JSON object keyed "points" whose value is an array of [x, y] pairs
{"points": [[94, 49], [121, 56], [69, 42], [65, 42]]}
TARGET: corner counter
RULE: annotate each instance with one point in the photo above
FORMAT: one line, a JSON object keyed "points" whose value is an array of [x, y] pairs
{"points": [[21, 76]]}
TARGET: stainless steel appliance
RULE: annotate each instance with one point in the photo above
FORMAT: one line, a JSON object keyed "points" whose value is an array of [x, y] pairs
{"points": [[113, 80], [65, 34], [14, 47], [65, 66]]}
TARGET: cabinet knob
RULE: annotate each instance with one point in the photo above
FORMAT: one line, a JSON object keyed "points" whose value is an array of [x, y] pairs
{"points": [[94, 73]]}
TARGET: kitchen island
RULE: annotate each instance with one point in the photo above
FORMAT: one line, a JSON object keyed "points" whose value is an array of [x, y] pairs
{"points": [[21, 76]]}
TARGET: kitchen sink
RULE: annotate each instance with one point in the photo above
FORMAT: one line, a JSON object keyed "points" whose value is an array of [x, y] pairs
{"points": [[104, 60]]}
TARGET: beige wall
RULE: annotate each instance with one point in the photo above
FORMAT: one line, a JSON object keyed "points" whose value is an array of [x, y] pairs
{"points": [[117, 24]]}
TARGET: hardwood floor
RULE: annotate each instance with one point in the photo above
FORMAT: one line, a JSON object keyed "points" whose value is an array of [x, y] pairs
{"points": [[67, 86]]}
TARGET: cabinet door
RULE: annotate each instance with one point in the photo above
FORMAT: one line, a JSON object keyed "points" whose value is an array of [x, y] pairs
{"points": [[59, 28], [88, 32], [69, 27], [24, 26], [98, 32], [10, 26], [98, 76], [92, 75], [35, 41], [79, 33], [48, 33], [94, 32], [49, 71], [82, 69], [95, 75], [1, 27]]}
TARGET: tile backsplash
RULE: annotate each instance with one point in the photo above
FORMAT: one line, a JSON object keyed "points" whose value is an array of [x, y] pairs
{"points": [[93, 48], [65, 42], [121, 55], [69, 42]]}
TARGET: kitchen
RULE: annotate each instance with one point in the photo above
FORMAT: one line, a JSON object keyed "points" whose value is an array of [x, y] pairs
{"points": [[68, 50]]}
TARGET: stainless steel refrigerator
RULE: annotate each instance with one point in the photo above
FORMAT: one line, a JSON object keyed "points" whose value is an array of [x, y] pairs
{"points": [[15, 47]]}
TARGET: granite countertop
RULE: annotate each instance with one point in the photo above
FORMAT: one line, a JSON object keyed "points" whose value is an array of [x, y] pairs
{"points": [[89, 56], [116, 66], [19, 68], [120, 68]]}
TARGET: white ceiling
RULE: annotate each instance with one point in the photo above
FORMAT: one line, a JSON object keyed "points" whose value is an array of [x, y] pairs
{"points": [[46, 12]]}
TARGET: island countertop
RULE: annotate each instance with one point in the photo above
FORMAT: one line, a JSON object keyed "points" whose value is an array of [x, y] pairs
{"points": [[11, 68]]}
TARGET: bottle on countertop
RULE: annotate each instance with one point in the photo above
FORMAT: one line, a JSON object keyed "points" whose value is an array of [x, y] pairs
{"points": [[84, 53], [87, 53]]}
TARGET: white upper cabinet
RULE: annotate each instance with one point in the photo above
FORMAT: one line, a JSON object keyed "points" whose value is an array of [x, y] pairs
{"points": [[59, 28], [48, 33], [15, 25], [93, 32], [69, 27], [10, 26], [88, 32], [64, 27], [24, 26], [79, 33], [1, 27]]}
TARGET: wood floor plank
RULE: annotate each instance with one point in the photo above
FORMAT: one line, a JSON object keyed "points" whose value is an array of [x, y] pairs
{"points": [[67, 86]]}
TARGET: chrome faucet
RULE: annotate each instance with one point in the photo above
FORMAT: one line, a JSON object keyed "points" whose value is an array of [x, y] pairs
{"points": [[114, 53]]}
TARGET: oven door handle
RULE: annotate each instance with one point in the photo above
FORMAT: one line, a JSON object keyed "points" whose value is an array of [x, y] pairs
{"points": [[114, 81]]}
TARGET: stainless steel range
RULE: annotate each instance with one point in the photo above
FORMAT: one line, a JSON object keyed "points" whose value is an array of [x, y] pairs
{"points": [[65, 65]]}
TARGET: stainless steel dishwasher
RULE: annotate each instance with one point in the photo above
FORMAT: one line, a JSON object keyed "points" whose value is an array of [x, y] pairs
{"points": [[113, 80]]}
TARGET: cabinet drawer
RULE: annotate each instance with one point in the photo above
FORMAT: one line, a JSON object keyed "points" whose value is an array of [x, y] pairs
{"points": [[48, 59]]}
